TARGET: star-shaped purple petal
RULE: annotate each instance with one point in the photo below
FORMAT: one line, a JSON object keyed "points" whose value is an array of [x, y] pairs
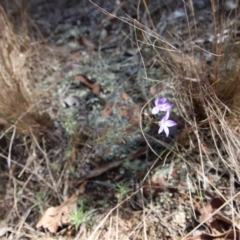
{"points": [[161, 105], [165, 124]]}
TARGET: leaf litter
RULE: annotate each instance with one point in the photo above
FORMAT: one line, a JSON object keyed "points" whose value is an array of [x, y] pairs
{"points": [[55, 217], [117, 102]]}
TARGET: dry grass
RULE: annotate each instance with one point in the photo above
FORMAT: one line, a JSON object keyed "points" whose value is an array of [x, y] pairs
{"points": [[20, 100], [207, 97], [23, 122]]}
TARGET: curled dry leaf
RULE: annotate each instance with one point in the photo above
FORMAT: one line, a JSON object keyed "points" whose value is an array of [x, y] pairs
{"points": [[124, 96], [208, 209], [55, 217], [228, 235], [95, 87], [216, 222], [107, 110], [153, 90], [131, 114], [87, 43]]}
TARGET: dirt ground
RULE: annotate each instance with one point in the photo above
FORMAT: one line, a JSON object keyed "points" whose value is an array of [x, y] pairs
{"points": [[92, 156]]}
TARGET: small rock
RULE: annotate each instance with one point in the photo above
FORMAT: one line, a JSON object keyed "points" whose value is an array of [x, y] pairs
{"points": [[72, 101]]}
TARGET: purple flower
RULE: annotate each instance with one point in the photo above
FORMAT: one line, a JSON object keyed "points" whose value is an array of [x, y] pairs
{"points": [[161, 105], [165, 124]]}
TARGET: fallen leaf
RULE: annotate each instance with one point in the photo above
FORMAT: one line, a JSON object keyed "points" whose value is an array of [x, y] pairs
{"points": [[135, 114], [217, 223], [49, 220], [107, 110], [95, 87], [228, 235], [82, 188], [55, 217], [206, 213], [153, 90], [124, 96], [227, 220], [208, 209], [109, 107], [87, 43], [124, 113]]}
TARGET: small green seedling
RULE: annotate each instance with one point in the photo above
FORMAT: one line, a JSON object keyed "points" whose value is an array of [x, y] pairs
{"points": [[122, 191], [78, 217], [82, 214]]}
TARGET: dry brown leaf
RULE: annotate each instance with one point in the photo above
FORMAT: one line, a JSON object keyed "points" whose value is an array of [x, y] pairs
{"points": [[206, 213], [228, 221], [87, 43], [55, 217], [208, 209], [217, 223], [49, 220], [124, 113], [124, 96], [135, 114], [131, 114], [228, 235], [82, 188], [153, 90], [95, 87], [107, 110]]}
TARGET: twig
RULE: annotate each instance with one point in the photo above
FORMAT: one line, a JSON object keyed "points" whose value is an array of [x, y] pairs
{"points": [[98, 171]]}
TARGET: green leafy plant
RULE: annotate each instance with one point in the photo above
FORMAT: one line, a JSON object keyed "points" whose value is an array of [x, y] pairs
{"points": [[102, 202], [72, 169], [122, 191], [132, 166], [78, 217], [84, 203], [83, 214], [55, 166]]}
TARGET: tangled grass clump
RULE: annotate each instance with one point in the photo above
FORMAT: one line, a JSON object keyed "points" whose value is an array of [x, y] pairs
{"points": [[206, 94], [20, 105]]}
